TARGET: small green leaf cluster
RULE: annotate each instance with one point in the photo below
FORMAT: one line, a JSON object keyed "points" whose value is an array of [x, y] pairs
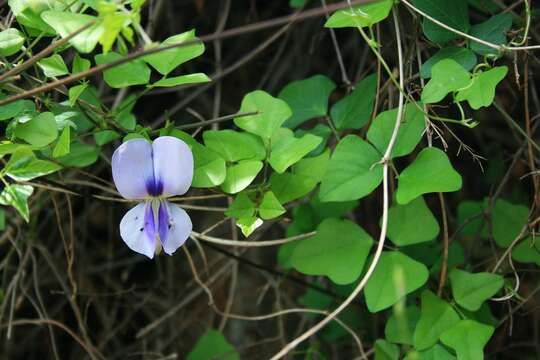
{"points": [[51, 133]]}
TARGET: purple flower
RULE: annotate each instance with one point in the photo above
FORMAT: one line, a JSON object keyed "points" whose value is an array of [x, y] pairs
{"points": [[150, 173]]}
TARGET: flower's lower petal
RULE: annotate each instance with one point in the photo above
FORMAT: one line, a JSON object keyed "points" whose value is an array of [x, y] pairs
{"points": [[174, 226], [173, 165], [138, 229], [133, 169]]}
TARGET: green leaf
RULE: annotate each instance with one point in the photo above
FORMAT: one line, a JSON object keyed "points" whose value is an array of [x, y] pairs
{"points": [[123, 115], [395, 276], [134, 72], [11, 41], [353, 171], [385, 350], [507, 221], [241, 207], [320, 130], [354, 110], [452, 13], [527, 251], [248, 225], [446, 76], [400, 326], [10, 148], [436, 316], [80, 155], [341, 258], [17, 196], [66, 23], [272, 113], [303, 178], [431, 171], [463, 56], [24, 166], [39, 131], [468, 339], [168, 60], [209, 167], [15, 108], [75, 92], [234, 146], [195, 78], [471, 290], [410, 132], [62, 146], [481, 92], [112, 23], [307, 98], [436, 352], [241, 175], [79, 64], [213, 345], [270, 207], [53, 66], [493, 30], [411, 223], [103, 137], [290, 150], [361, 15], [28, 14]]}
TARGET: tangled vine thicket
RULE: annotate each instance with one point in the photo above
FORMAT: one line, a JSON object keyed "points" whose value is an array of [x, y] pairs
{"points": [[366, 179]]}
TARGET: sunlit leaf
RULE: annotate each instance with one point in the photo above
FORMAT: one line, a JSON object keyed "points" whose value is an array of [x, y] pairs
{"points": [[168, 60], [341, 258], [395, 276], [468, 339], [410, 132], [307, 98], [271, 114], [240, 175], [11, 41], [360, 15], [431, 171], [411, 223], [133, 72], [353, 172], [446, 76], [39, 131], [471, 290], [17, 196], [481, 91], [66, 23], [436, 316]]}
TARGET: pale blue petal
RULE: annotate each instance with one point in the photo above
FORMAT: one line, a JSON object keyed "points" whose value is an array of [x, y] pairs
{"points": [[174, 226], [138, 229], [173, 165], [133, 169]]}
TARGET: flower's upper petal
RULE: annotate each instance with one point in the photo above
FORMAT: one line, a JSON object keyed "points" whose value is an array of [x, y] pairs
{"points": [[133, 169], [174, 226], [173, 165], [138, 229]]}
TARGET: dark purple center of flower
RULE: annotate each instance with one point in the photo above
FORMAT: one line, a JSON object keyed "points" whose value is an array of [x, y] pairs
{"points": [[154, 187]]}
